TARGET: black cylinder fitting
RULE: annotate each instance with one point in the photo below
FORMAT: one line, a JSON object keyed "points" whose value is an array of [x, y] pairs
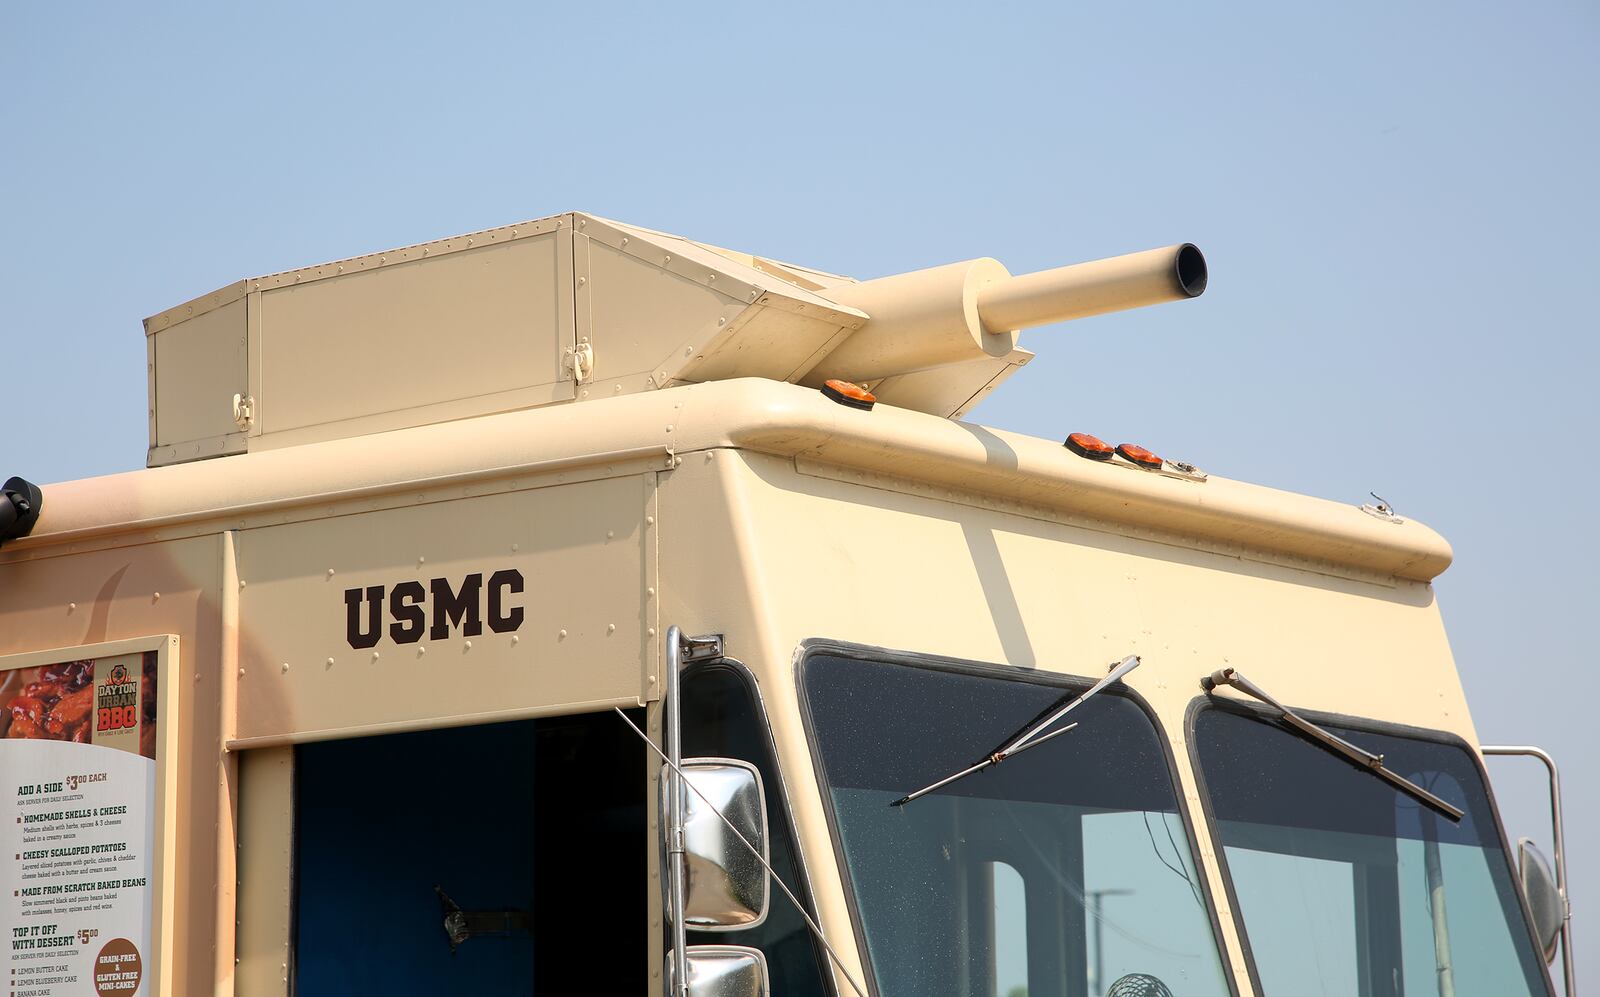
{"points": [[20, 502]]}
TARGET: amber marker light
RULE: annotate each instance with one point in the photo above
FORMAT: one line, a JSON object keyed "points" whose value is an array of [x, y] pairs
{"points": [[846, 393], [1092, 447], [1139, 455]]}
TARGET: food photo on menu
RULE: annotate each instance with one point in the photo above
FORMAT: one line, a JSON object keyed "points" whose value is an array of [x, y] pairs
{"points": [[56, 703]]}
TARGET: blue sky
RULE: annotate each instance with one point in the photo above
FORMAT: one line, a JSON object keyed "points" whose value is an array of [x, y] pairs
{"points": [[1397, 201]]}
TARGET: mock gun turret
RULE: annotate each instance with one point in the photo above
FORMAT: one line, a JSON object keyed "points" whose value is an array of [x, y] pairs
{"points": [[965, 312], [575, 308]]}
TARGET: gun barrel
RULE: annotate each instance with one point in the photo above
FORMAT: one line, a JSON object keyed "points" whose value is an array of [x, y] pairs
{"points": [[1094, 288]]}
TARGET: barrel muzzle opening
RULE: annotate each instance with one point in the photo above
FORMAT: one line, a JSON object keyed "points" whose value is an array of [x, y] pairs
{"points": [[1192, 273]]}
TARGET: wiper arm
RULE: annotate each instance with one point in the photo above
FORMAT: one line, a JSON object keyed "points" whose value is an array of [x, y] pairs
{"points": [[1025, 739], [1331, 741]]}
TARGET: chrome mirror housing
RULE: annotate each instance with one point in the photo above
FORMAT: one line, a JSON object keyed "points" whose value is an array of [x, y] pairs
{"points": [[1544, 897], [723, 971], [726, 887]]}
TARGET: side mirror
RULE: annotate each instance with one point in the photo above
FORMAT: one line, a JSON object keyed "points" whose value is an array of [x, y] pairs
{"points": [[726, 887], [723, 971], [1544, 897]]}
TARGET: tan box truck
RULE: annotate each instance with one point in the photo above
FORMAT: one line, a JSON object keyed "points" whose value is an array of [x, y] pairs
{"points": [[575, 608]]}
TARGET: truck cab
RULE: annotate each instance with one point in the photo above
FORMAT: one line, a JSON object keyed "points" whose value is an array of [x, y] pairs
{"points": [[571, 607]]}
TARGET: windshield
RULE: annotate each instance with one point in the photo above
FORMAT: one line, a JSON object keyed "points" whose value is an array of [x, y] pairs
{"points": [[1055, 874], [1348, 887]]}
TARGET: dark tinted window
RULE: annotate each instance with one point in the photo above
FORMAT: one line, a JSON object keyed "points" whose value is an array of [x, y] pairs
{"points": [[1348, 886], [1055, 874], [720, 718]]}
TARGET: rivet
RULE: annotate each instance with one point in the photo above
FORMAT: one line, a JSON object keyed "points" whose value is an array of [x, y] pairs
{"points": [[688, 351], [722, 321], [610, 534], [469, 241], [652, 680], [651, 632], [421, 651], [582, 281], [383, 259], [241, 673], [71, 606], [468, 645], [667, 260], [669, 429], [515, 548], [650, 520], [157, 597], [374, 655], [624, 241], [241, 583], [330, 572], [421, 559], [562, 635], [617, 389], [286, 666], [330, 662], [611, 628], [650, 593], [515, 640], [424, 252]]}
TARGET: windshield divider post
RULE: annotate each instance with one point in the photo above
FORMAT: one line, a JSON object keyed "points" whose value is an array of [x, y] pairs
{"points": [[1328, 739]]}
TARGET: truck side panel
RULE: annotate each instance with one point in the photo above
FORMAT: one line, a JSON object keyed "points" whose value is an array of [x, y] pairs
{"points": [[171, 587]]}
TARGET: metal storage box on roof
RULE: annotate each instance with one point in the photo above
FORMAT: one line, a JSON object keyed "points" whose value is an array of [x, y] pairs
{"points": [[515, 317]]}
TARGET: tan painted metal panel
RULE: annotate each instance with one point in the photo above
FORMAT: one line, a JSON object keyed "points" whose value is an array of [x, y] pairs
{"points": [[585, 638], [126, 593], [952, 391], [631, 301], [266, 872], [199, 367], [469, 324], [770, 559]]}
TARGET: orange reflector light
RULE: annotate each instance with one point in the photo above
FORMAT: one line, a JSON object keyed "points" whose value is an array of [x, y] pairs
{"points": [[853, 395], [1092, 447], [1139, 455]]}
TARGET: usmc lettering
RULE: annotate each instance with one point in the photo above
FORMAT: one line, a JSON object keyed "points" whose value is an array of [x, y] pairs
{"points": [[463, 607]]}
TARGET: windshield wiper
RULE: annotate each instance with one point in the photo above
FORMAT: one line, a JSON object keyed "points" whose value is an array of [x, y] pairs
{"points": [[1018, 743], [1331, 741]]}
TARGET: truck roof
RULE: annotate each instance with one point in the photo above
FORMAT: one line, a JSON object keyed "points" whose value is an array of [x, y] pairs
{"points": [[886, 447]]}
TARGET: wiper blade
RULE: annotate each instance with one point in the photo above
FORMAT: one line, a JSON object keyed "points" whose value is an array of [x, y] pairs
{"points": [[1327, 739], [1026, 738]]}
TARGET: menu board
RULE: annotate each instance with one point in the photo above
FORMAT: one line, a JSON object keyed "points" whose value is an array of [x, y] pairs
{"points": [[77, 825]]}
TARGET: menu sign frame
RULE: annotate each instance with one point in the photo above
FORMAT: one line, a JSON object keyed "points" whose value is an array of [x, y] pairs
{"points": [[109, 682]]}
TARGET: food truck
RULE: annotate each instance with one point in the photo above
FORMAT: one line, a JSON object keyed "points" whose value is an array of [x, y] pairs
{"points": [[571, 607]]}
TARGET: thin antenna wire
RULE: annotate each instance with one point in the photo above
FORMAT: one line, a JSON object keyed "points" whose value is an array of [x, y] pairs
{"points": [[798, 906]]}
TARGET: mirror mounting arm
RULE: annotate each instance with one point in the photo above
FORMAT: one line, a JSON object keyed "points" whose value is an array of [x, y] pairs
{"points": [[680, 649], [1569, 973]]}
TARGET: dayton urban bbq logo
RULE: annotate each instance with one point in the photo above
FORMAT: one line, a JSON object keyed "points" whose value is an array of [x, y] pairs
{"points": [[117, 702], [435, 610]]}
